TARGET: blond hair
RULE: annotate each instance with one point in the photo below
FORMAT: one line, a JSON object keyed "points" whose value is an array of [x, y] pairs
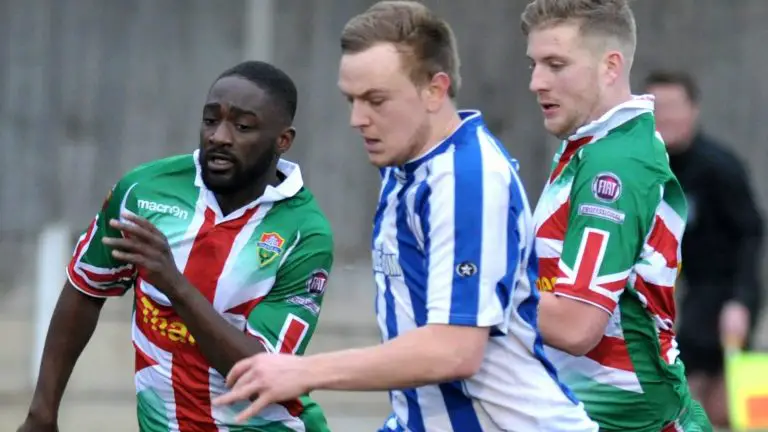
{"points": [[426, 42], [603, 19]]}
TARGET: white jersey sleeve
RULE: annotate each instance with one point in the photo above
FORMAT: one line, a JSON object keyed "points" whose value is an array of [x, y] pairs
{"points": [[468, 222]]}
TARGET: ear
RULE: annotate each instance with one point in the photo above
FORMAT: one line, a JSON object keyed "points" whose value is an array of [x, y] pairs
{"points": [[614, 64], [437, 91], [285, 140]]}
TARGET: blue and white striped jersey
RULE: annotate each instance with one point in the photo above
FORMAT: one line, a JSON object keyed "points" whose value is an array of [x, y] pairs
{"points": [[453, 244]]}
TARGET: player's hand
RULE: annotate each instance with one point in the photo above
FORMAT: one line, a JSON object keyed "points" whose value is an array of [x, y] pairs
{"points": [[31, 424], [266, 379], [143, 245], [734, 324]]}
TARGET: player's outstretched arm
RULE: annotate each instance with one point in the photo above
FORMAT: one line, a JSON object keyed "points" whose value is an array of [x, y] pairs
{"points": [[72, 324], [431, 354]]}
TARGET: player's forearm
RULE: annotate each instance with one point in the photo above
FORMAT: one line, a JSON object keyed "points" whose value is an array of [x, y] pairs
{"points": [[72, 324], [563, 328], [221, 343], [414, 359]]}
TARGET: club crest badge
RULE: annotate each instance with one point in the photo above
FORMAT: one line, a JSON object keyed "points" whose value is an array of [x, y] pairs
{"points": [[466, 269], [269, 247]]}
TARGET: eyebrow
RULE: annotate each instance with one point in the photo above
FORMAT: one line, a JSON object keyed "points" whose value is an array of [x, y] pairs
{"points": [[368, 93], [548, 58], [234, 109], [374, 92]]}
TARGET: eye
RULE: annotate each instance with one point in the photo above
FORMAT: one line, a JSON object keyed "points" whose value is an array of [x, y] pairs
{"points": [[208, 121], [375, 102], [243, 127], [556, 66]]}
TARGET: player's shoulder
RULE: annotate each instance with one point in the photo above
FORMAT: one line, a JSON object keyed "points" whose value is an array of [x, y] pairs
{"points": [[631, 138], [172, 166], [632, 150], [309, 218], [479, 158]]}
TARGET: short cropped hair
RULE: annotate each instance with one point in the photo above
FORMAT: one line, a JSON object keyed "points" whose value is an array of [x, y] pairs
{"points": [[675, 77], [426, 41], [601, 18], [276, 83]]}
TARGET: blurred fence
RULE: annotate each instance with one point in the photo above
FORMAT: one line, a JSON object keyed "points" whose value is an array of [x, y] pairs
{"points": [[89, 88]]}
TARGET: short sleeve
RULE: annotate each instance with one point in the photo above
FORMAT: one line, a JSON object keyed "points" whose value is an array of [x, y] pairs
{"points": [[471, 243], [285, 319], [610, 211], [92, 269]]}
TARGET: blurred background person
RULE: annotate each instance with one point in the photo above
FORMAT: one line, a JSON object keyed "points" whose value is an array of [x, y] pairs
{"points": [[721, 246]]}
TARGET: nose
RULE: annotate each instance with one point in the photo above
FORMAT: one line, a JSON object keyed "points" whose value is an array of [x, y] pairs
{"points": [[359, 116], [222, 135], [539, 81]]}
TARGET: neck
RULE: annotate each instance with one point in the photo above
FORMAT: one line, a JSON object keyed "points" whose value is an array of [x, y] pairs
{"points": [[442, 125], [611, 101], [251, 192]]}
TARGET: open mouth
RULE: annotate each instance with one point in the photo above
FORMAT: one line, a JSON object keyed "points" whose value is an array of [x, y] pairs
{"points": [[371, 143], [219, 162], [549, 108]]}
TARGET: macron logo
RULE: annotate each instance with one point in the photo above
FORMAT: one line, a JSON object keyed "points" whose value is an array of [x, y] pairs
{"points": [[163, 208]]}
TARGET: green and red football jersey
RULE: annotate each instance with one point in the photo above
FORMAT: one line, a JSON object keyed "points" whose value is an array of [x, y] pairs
{"points": [[609, 226], [263, 267]]}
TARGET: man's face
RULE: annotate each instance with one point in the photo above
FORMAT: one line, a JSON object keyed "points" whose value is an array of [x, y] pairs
{"points": [[676, 115], [386, 107], [565, 77], [240, 135]]}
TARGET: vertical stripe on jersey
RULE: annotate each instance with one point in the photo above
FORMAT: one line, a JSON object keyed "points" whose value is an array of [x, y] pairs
{"points": [[460, 408], [189, 370], [468, 228]]}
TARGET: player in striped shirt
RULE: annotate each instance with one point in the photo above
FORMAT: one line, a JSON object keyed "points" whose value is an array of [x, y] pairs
{"points": [[609, 223], [453, 258], [225, 253]]}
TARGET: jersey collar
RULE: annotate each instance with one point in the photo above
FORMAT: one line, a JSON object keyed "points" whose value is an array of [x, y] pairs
{"points": [[288, 188], [617, 116]]}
